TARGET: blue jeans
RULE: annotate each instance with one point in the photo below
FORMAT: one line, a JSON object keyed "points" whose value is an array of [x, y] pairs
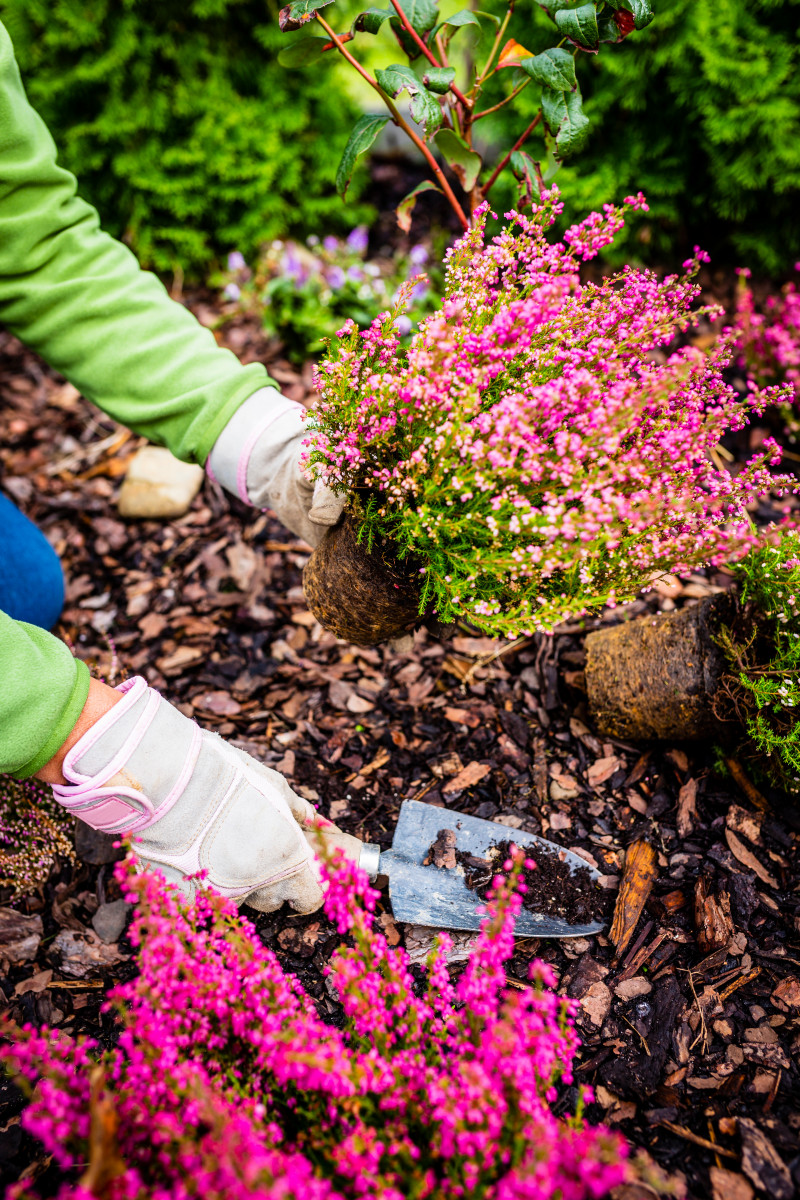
{"points": [[31, 579]]}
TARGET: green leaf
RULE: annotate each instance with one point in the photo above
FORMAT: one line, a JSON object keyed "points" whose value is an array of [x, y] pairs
{"points": [[465, 162], [479, 12], [397, 78], [574, 131], [554, 68], [438, 79], [579, 25], [607, 29], [365, 130], [302, 52], [406, 205], [524, 171], [640, 10], [371, 20], [458, 20], [554, 108], [421, 14], [299, 13]]}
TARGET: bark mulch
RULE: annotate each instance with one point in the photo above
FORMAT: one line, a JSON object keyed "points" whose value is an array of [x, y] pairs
{"points": [[691, 1030]]}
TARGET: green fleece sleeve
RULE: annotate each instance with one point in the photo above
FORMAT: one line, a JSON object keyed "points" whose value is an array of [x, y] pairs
{"points": [[79, 298], [43, 689]]}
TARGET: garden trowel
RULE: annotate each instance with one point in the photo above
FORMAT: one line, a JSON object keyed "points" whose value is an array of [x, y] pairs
{"points": [[429, 895]]}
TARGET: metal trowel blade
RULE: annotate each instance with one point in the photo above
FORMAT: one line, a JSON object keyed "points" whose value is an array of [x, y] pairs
{"points": [[429, 895]]}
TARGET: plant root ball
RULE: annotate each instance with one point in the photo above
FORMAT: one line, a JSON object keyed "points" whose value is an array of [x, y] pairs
{"points": [[654, 678], [364, 598]]}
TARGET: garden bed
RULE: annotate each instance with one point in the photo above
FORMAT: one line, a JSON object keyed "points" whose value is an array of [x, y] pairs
{"points": [[693, 1054]]}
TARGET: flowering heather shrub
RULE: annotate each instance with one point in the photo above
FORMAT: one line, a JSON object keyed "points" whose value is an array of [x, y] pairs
{"points": [[303, 293], [768, 340], [529, 449], [34, 831], [225, 1082]]}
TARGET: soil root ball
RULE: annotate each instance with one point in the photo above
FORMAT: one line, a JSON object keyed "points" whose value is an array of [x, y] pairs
{"points": [[654, 678], [364, 597]]}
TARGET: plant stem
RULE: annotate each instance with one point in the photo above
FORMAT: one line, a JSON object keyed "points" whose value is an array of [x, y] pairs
{"points": [[507, 158], [412, 33], [507, 100], [400, 121], [495, 45]]}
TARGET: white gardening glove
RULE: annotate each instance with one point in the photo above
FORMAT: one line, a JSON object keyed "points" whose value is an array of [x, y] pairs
{"points": [[257, 458], [194, 803]]}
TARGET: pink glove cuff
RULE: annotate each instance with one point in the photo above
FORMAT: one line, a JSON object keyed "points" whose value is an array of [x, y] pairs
{"points": [[229, 459], [116, 808]]}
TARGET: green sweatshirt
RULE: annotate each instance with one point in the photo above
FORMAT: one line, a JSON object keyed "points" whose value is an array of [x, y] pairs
{"points": [[78, 297]]}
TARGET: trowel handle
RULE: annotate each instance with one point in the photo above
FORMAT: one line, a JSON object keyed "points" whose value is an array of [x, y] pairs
{"points": [[369, 859]]}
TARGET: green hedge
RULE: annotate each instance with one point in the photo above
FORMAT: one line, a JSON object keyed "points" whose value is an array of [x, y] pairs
{"points": [[701, 111], [180, 125]]}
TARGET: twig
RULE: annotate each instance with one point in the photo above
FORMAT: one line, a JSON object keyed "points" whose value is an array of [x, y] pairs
{"points": [[687, 1134], [486, 659], [507, 100], [507, 158], [737, 983], [412, 33]]}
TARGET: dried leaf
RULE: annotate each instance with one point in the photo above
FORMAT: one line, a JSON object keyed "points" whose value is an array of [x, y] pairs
{"points": [[748, 859], [221, 704], [641, 872], [473, 773], [602, 770]]}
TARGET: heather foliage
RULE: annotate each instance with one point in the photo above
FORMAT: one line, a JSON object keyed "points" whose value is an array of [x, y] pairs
{"points": [[766, 656], [34, 833], [768, 338], [225, 1082], [541, 448]]}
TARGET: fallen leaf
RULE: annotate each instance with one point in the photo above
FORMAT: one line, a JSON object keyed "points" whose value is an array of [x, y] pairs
{"points": [[472, 773], [390, 930], [36, 983], [641, 872], [687, 807], [242, 560], [184, 656], [748, 859], [744, 822], [462, 716], [357, 704]]}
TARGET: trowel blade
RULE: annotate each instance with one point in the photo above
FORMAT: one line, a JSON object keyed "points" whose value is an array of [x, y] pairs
{"points": [[429, 895]]}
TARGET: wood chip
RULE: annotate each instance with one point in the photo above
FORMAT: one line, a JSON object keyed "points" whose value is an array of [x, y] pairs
{"points": [[627, 989], [687, 808], [442, 853], [596, 1003], [220, 704], [20, 936], [748, 824], [762, 1164], [602, 770], [727, 1185], [473, 773], [786, 995], [748, 859], [641, 872], [712, 914]]}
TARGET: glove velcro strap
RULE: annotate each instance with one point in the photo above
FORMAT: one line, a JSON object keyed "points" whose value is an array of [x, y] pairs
{"points": [[115, 808]]}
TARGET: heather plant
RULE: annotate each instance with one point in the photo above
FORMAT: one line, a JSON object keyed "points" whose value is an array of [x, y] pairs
{"points": [[225, 1082], [35, 833], [445, 114], [768, 336], [303, 292], [542, 446], [762, 645]]}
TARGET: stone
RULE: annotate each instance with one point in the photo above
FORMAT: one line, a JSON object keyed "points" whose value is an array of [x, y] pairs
{"points": [[158, 485], [109, 921], [94, 847], [83, 954]]}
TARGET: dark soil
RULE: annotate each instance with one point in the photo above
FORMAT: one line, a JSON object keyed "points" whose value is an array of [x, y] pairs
{"points": [[686, 1048]]}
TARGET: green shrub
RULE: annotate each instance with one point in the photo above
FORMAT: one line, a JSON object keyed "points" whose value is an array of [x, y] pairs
{"points": [[701, 111], [181, 127]]}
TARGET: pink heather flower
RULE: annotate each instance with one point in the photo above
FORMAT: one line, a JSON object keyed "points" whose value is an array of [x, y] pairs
{"points": [[768, 339], [225, 1082], [551, 427]]}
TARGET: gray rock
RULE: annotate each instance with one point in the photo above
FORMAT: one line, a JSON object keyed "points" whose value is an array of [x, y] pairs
{"points": [[109, 921], [94, 847]]}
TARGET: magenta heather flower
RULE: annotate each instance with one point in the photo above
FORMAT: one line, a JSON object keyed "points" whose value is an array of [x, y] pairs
{"points": [[542, 446], [768, 339], [226, 1084]]}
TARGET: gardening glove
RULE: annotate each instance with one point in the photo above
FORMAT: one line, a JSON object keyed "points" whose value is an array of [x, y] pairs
{"points": [[194, 803], [257, 458]]}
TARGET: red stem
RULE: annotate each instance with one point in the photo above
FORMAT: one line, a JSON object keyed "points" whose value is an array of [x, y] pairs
{"points": [[507, 158], [412, 33]]}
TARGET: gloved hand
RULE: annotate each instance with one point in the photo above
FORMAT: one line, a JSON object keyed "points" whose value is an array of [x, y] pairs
{"points": [[193, 802], [257, 458]]}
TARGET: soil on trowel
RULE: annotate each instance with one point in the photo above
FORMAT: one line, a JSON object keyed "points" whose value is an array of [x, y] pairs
{"points": [[553, 887]]}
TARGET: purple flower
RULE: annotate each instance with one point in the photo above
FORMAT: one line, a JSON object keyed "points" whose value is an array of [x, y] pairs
{"points": [[355, 273], [232, 291], [418, 255], [236, 261], [331, 244], [358, 239], [292, 265], [335, 277], [403, 324]]}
